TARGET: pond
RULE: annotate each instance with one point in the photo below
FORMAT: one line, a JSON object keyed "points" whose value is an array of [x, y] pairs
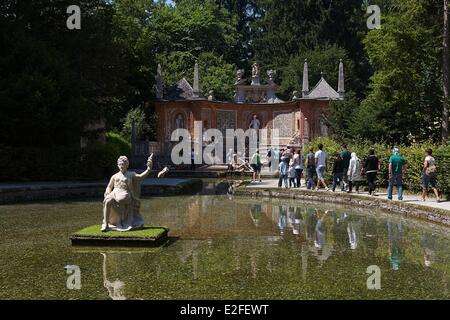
{"points": [[225, 247]]}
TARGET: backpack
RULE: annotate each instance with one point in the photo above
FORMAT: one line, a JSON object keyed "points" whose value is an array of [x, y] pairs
{"points": [[430, 170], [311, 160]]}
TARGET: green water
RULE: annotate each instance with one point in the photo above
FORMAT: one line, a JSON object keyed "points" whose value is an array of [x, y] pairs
{"points": [[227, 248]]}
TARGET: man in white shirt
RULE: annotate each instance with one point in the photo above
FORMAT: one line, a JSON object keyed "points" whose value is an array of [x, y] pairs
{"points": [[321, 166]]}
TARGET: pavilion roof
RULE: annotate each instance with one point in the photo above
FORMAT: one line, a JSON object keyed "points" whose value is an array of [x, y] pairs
{"points": [[323, 90]]}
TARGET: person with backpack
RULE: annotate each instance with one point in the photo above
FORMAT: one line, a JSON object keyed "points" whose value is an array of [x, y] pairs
{"points": [[310, 164], [429, 175], [255, 163]]}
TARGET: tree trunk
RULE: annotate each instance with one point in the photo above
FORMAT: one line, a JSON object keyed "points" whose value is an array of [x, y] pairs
{"points": [[445, 74]]}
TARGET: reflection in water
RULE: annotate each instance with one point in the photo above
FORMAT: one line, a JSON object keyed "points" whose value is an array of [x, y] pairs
{"points": [[282, 219], [395, 244], [233, 249], [428, 243], [255, 213], [115, 288], [352, 239]]}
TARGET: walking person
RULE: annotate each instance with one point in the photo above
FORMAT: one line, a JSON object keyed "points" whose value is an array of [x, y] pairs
{"points": [[283, 170], [346, 156], [292, 174], [287, 155], [429, 175], [371, 168], [298, 165], [321, 166], [354, 173], [310, 164], [255, 163], [269, 159], [338, 175], [396, 164]]}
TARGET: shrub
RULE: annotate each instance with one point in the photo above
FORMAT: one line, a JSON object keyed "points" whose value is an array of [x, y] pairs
{"points": [[121, 144], [94, 162]]}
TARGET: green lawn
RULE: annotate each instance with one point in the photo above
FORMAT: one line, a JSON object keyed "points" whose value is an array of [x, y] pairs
{"points": [[145, 233]]}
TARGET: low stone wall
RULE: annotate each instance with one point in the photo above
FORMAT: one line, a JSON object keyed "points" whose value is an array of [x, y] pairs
{"points": [[19, 196], [91, 191], [406, 209], [191, 186]]}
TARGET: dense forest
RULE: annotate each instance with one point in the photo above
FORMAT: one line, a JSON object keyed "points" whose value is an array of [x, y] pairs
{"points": [[54, 80]]}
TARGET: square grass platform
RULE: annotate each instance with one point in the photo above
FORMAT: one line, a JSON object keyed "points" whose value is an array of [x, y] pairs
{"points": [[144, 237]]}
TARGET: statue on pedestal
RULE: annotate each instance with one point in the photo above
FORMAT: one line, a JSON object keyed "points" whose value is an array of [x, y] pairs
{"points": [[122, 197], [255, 70], [271, 74], [255, 75], [239, 75]]}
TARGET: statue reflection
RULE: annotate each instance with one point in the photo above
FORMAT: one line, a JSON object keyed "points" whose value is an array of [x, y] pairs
{"points": [[116, 287], [429, 242], [352, 238], [394, 245]]}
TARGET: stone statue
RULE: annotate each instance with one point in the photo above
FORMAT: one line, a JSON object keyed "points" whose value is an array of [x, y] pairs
{"points": [[179, 122], [211, 95], [122, 197], [255, 70], [295, 95], [271, 73], [255, 123], [239, 74]]}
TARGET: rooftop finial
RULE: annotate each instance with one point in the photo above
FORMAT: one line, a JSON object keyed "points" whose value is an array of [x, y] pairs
{"points": [[159, 83], [305, 85], [196, 87], [341, 88]]}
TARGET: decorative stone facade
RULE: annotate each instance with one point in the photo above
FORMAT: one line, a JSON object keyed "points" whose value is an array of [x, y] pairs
{"points": [[298, 121]]}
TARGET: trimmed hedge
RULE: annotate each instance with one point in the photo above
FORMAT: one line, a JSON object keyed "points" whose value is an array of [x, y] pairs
{"points": [[414, 156], [94, 162], [119, 142]]}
